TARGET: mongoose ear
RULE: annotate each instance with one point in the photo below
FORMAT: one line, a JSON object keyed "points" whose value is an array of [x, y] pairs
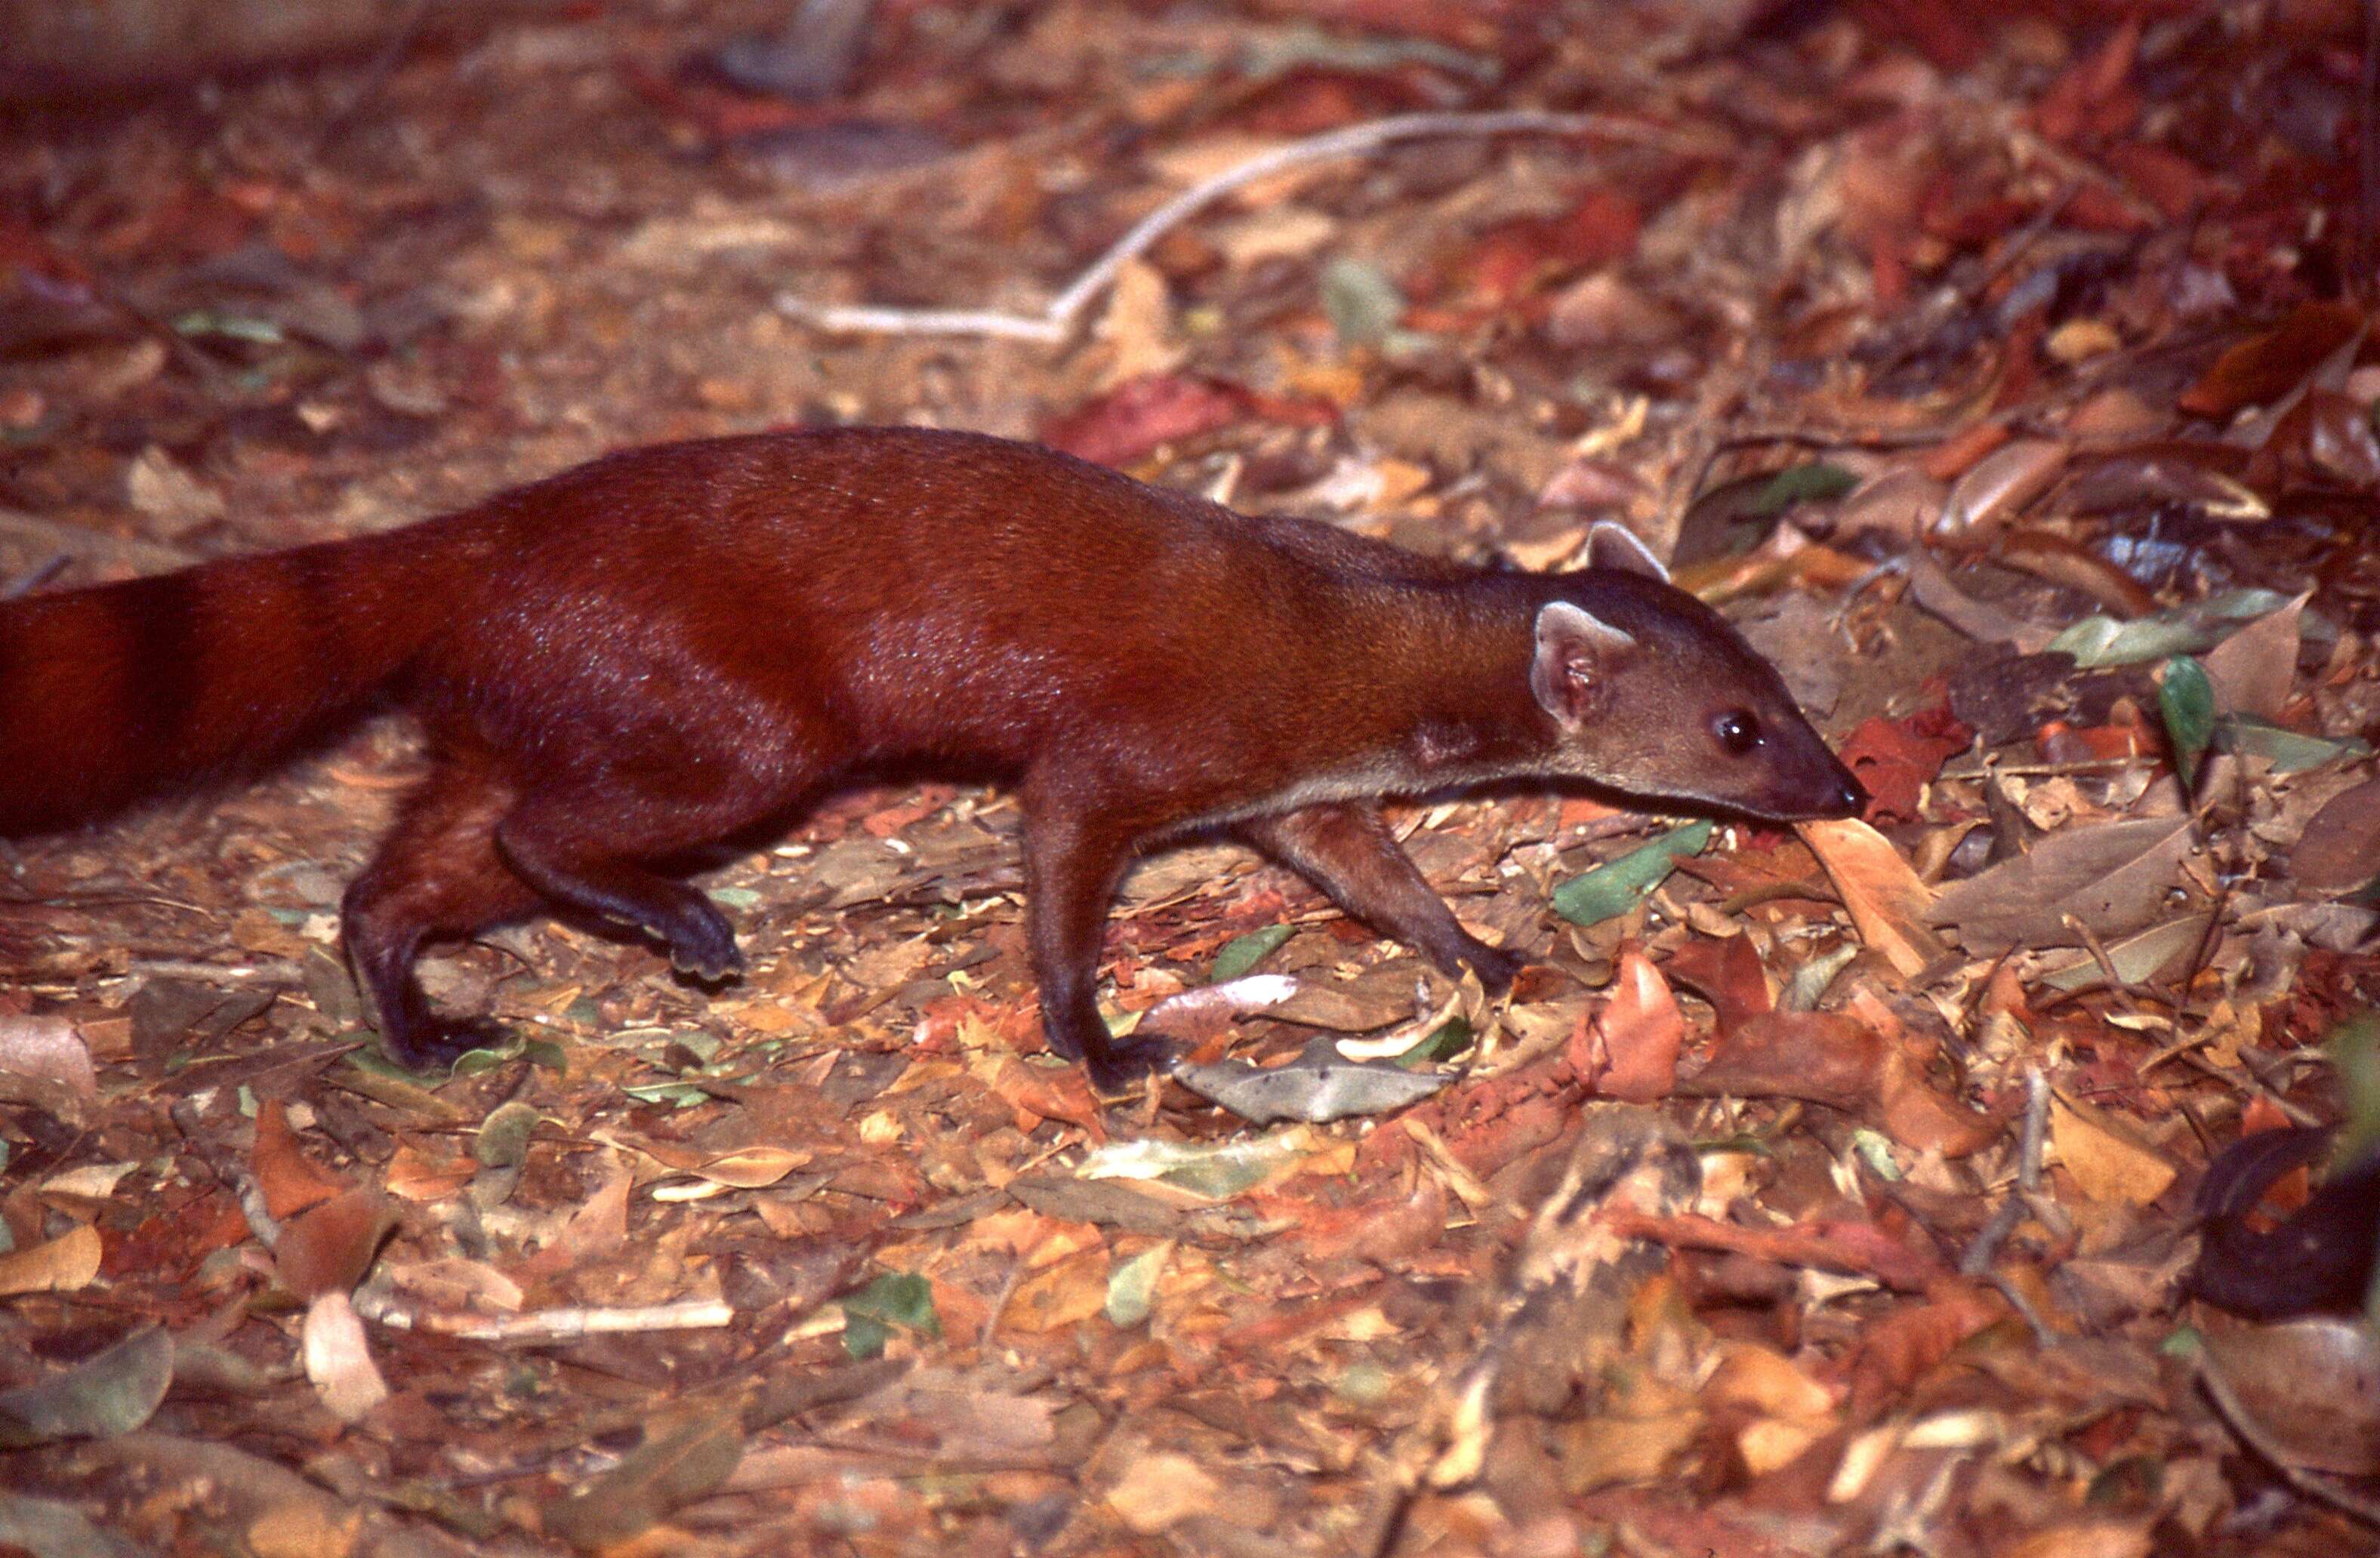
{"points": [[1615, 546], [1577, 653]]}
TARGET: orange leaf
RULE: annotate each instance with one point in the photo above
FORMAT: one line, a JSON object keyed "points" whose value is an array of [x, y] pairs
{"points": [[291, 1181], [329, 1249], [1887, 904], [1640, 1032], [2265, 367]]}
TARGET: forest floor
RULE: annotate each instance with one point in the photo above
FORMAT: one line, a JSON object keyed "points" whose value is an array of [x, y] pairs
{"points": [[2002, 369]]}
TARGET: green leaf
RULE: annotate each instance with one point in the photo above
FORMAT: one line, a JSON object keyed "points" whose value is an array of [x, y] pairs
{"points": [[1812, 483], [895, 1298], [2290, 752], [1450, 1038], [681, 1095], [2185, 629], [2355, 1054], [1616, 886], [864, 1336], [238, 326], [503, 1136], [106, 1395], [1244, 952], [2186, 699]]}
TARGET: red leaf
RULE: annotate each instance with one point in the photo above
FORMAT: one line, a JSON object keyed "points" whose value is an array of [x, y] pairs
{"points": [[1725, 972], [1140, 414], [1897, 758], [2265, 367], [291, 1181]]}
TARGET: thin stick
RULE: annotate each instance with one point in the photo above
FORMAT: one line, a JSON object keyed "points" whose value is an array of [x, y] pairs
{"points": [[1056, 322]]}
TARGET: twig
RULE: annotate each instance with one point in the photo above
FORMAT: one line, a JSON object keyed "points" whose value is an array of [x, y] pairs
{"points": [[1056, 322], [545, 1327], [2038, 770], [377, 75], [1978, 1261], [36, 576]]}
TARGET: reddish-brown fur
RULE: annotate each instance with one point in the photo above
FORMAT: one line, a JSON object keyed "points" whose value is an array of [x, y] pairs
{"points": [[656, 650]]}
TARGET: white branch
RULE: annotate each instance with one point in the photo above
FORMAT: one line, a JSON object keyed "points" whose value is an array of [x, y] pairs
{"points": [[1056, 322]]}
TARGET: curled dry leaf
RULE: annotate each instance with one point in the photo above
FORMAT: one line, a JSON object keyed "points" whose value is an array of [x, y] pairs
{"points": [[1902, 503], [2046, 555], [1920, 1116], [290, 1180], [1633, 1052], [1819, 1057], [1045, 1093], [2266, 367], [1726, 971], [2192, 476], [1999, 485], [1933, 590], [1888, 905]]}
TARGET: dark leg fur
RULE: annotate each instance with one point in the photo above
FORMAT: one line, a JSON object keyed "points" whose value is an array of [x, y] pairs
{"points": [[573, 856], [437, 876], [1347, 850], [1071, 867]]}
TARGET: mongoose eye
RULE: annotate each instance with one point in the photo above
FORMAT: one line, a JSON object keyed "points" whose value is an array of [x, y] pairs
{"points": [[1737, 730]]}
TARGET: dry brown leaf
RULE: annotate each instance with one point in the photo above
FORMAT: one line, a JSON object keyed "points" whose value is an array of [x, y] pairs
{"points": [[290, 1180], [414, 1174], [1919, 1117], [2107, 1157], [1060, 1294], [1932, 589], [2340, 850], [329, 1249], [61, 1265], [51, 1049], [338, 1359], [2253, 670], [1820, 1057], [1160, 1491], [2113, 877], [305, 1529], [1887, 904]]}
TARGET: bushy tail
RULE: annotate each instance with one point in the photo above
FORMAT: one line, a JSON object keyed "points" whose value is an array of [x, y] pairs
{"points": [[112, 693]]}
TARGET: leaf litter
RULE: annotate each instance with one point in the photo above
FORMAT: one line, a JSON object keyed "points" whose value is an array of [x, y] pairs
{"points": [[1994, 355]]}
